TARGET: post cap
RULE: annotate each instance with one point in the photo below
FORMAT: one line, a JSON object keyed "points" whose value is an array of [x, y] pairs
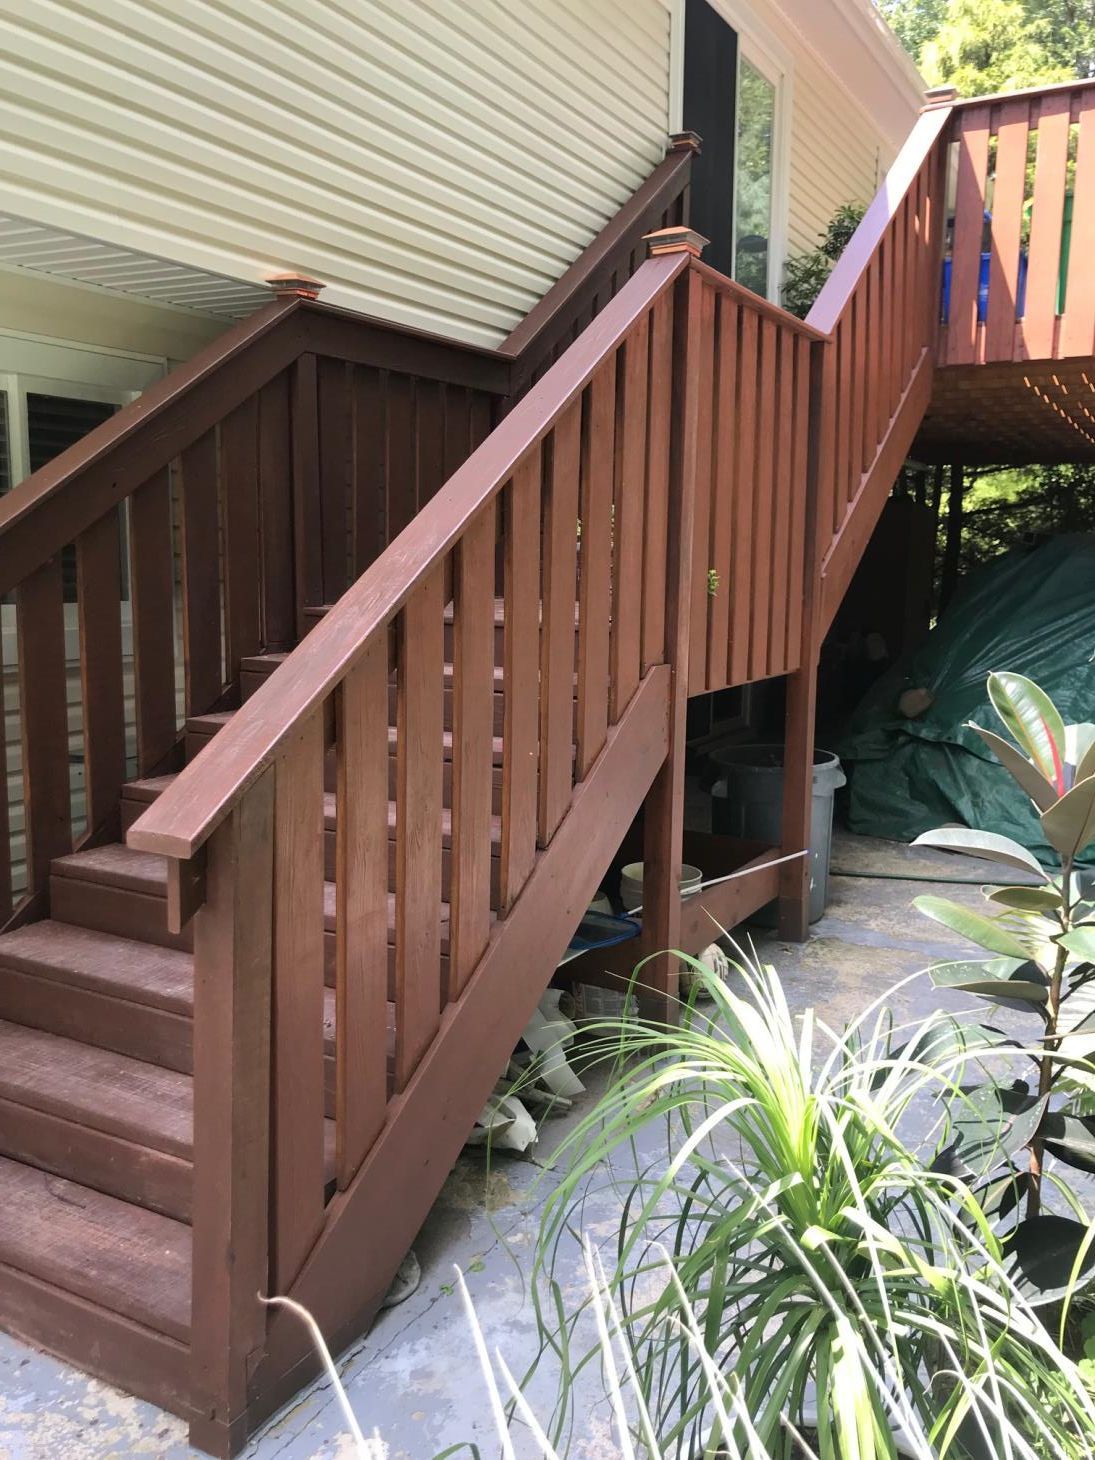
{"points": [[685, 142], [298, 286], [941, 93], [674, 240]]}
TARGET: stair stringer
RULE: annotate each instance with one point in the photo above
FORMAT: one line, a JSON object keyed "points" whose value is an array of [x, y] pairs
{"points": [[370, 1226], [848, 546]]}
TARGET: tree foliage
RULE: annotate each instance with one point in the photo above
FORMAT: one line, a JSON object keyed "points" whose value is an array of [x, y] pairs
{"points": [[982, 46]]}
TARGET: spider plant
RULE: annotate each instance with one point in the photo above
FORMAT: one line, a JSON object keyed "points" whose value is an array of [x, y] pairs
{"points": [[846, 1288]]}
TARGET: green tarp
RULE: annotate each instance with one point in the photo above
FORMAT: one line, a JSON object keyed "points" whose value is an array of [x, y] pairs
{"points": [[1032, 612]]}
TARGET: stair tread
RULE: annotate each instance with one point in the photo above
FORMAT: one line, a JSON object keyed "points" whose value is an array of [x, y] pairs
{"points": [[116, 865], [120, 1256], [111, 1093], [143, 973]]}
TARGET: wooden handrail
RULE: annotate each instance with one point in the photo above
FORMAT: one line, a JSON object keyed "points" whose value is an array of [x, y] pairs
{"points": [[182, 819], [960, 103], [849, 268], [548, 320]]}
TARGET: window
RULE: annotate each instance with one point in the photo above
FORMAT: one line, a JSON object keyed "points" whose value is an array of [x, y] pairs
{"points": [[754, 244]]}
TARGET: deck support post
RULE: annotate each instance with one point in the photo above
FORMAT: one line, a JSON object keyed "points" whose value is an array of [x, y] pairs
{"points": [[798, 740], [663, 809], [233, 948]]}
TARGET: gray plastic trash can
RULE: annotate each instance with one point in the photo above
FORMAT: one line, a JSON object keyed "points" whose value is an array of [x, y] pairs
{"points": [[748, 802]]}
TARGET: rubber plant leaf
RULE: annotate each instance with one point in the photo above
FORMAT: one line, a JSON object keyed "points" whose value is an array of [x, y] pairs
{"points": [[988, 1126], [1071, 1138], [1040, 791], [1081, 750], [1009, 982], [1033, 721], [1027, 899], [987, 844], [985, 932], [1070, 824], [1041, 1253], [1080, 941]]}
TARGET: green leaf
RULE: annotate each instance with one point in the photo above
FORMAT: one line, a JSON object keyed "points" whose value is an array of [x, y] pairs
{"points": [[1011, 982], [1080, 941], [1027, 899], [1070, 824], [1041, 1254], [1033, 721], [1071, 1138], [986, 932], [1081, 750], [988, 1125], [981, 844], [1040, 791]]}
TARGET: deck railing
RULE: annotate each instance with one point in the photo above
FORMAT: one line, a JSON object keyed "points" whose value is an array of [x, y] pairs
{"points": [[588, 444], [1021, 187]]}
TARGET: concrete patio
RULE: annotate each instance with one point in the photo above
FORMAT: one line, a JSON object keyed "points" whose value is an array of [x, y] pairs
{"points": [[414, 1377]]}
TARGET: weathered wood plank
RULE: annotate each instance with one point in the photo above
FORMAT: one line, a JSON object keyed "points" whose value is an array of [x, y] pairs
{"points": [[1006, 229], [278, 617], [1046, 224], [239, 439], [701, 543], [723, 489], [657, 490], [745, 438], [44, 720], [521, 641], [557, 641], [969, 213], [595, 571], [201, 574], [630, 491], [151, 578], [98, 594], [1078, 325]]}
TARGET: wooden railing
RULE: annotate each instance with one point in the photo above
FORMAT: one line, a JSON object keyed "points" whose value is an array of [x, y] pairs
{"points": [[589, 445], [1023, 188], [753, 381], [210, 519], [195, 519], [879, 309]]}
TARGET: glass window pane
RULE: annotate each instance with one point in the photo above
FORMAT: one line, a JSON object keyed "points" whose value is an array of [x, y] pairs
{"points": [[753, 211]]}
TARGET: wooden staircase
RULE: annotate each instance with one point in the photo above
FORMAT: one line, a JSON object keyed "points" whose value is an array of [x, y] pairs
{"points": [[265, 953]]}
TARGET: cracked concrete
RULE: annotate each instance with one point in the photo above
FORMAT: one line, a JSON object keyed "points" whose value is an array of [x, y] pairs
{"points": [[414, 1377]]}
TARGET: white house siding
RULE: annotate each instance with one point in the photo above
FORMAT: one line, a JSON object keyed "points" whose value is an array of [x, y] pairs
{"points": [[436, 162]]}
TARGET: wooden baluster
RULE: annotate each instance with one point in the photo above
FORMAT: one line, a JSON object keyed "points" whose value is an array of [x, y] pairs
{"points": [[595, 583], [370, 465], [402, 454], [233, 958], [5, 795], [472, 757], [201, 575], [798, 511], [430, 426], [763, 502], [336, 455], [723, 491], [630, 491], [1046, 223], [1078, 325], [278, 620], [842, 402], [239, 436], [657, 481], [557, 640], [419, 665], [521, 544], [895, 329], [307, 538], [969, 215], [860, 384], [701, 522], [872, 336], [44, 715], [1008, 192], [151, 578], [361, 909], [745, 439], [98, 592], [298, 1100], [783, 503]]}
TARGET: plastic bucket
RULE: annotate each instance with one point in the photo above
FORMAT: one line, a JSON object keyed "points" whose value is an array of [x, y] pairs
{"points": [[631, 884], [747, 802]]}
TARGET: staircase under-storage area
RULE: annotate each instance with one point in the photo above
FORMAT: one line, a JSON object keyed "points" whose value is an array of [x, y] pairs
{"points": [[345, 659]]}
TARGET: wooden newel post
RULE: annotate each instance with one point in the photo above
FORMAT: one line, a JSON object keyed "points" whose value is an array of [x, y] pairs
{"points": [[233, 953], [663, 811]]}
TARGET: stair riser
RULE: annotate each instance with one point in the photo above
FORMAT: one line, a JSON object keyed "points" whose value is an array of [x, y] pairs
{"points": [[157, 1035], [118, 1167]]}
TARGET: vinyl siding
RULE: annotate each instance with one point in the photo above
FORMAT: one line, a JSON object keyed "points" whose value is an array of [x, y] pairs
{"points": [[439, 162]]}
